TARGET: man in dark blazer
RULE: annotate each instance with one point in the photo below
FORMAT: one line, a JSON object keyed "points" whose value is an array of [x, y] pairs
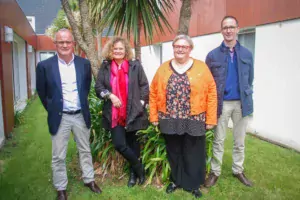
{"points": [[63, 84]]}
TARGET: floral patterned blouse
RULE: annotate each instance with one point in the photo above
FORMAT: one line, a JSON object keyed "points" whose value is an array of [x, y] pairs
{"points": [[177, 119]]}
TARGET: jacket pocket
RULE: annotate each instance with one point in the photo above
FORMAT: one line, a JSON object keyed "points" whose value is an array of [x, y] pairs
{"points": [[138, 107], [215, 64], [248, 91], [246, 61], [216, 69], [106, 110]]}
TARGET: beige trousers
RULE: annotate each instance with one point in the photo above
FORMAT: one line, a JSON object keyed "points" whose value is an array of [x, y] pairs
{"points": [[76, 124], [233, 110]]}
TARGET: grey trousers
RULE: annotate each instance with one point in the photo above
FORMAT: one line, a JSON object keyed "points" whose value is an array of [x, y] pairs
{"points": [[233, 110], [76, 124]]}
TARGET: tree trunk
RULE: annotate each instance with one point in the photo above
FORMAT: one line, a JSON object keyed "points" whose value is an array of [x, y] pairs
{"points": [[85, 38], [137, 42], [99, 44], [185, 16], [94, 64], [87, 30]]}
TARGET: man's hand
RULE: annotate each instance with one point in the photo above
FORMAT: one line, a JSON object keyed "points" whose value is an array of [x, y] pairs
{"points": [[209, 126], [115, 101]]}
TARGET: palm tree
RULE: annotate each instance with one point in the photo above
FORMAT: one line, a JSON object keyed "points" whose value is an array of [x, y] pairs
{"points": [[131, 16], [84, 17], [185, 17], [96, 14], [83, 33]]}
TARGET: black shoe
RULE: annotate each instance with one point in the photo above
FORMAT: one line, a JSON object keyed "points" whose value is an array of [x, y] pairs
{"points": [[243, 179], [132, 178], [196, 193], [171, 188], [142, 176], [140, 172], [211, 180], [93, 187], [62, 195]]}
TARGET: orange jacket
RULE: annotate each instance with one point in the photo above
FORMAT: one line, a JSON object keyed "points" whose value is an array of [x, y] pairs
{"points": [[203, 96]]}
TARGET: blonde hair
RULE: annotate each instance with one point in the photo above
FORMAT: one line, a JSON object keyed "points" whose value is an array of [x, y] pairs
{"points": [[107, 52], [184, 37]]}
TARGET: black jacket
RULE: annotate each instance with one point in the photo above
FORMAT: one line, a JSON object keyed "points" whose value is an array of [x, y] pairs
{"points": [[138, 89], [48, 86]]}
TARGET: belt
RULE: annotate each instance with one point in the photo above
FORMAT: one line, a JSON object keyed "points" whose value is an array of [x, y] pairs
{"points": [[72, 112]]}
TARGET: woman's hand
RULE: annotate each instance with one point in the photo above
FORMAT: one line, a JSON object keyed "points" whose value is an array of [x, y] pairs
{"points": [[209, 126], [115, 101], [155, 123]]}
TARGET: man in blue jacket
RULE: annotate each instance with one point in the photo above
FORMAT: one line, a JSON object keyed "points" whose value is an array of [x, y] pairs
{"points": [[231, 65], [63, 84]]}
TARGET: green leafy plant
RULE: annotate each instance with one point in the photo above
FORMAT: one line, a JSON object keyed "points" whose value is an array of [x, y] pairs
{"points": [[19, 118], [154, 155], [209, 153]]}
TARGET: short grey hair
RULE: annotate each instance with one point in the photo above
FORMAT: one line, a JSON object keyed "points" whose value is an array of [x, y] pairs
{"points": [[184, 37], [63, 30]]}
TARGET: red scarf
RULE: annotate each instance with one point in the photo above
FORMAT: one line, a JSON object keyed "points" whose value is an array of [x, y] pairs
{"points": [[119, 85]]}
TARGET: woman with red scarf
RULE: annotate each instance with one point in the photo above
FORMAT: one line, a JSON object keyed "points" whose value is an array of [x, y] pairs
{"points": [[123, 86]]}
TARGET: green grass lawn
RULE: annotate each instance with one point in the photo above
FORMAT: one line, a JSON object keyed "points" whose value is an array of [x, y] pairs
{"points": [[25, 170]]}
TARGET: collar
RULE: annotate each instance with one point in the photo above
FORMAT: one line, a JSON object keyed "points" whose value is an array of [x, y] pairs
{"points": [[224, 48], [63, 62]]}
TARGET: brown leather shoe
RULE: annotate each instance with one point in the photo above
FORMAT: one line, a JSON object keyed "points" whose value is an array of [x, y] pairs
{"points": [[93, 187], [211, 180], [242, 178], [62, 195]]}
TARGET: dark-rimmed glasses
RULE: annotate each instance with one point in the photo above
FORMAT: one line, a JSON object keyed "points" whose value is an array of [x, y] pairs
{"points": [[61, 43], [183, 47], [229, 28]]}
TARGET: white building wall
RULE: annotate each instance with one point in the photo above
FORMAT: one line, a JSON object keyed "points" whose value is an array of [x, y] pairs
{"points": [[151, 60], [167, 51], [277, 81], [204, 44]]}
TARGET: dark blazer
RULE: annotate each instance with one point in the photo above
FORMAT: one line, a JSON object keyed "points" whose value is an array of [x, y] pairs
{"points": [[138, 89], [217, 63], [49, 89]]}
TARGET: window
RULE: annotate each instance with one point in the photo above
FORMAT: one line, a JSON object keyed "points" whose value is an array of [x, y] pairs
{"points": [[16, 72], [247, 38], [46, 55]]}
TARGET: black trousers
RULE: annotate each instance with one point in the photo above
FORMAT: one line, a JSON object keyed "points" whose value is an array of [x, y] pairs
{"points": [[186, 155], [126, 144]]}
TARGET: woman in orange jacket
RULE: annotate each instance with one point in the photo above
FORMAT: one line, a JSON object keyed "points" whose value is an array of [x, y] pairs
{"points": [[183, 102]]}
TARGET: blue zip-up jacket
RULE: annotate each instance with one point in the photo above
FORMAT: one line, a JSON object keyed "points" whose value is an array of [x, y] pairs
{"points": [[218, 65]]}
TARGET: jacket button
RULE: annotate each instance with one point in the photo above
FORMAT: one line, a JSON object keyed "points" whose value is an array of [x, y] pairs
{"points": [[59, 113], [61, 100]]}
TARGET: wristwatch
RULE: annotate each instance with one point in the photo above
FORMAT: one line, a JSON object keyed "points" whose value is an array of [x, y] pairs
{"points": [[105, 94]]}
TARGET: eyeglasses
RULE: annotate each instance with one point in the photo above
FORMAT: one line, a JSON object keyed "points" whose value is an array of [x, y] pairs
{"points": [[183, 47], [228, 28], [61, 43]]}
